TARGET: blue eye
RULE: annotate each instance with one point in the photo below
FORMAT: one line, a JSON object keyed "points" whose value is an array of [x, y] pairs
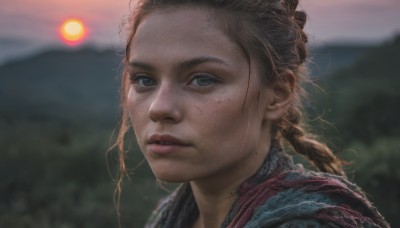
{"points": [[203, 80], [142, 80]]}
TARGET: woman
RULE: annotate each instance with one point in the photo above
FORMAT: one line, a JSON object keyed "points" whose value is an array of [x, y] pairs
{"points": [[212, 89]]}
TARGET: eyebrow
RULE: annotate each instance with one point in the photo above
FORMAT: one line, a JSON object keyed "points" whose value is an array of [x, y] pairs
{"points": [[141, 65], [185, 65]]}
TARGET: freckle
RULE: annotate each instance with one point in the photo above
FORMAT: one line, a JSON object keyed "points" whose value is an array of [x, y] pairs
{"points": [[200, 110], [219, 101]]}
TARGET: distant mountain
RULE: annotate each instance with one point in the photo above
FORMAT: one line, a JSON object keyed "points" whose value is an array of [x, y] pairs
{"points": [[329, 58], [61, 84], [363, 98], [12, 48], [377, 62]]}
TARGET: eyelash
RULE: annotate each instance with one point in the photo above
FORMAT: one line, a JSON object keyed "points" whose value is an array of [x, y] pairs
{"points": [[137, 80], [211, 80]]}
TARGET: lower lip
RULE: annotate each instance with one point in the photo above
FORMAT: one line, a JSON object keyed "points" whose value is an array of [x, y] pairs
{"points": [[165, 149]]}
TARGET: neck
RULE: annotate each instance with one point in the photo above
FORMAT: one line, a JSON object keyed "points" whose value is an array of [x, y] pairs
{"points": [[213, 206], [215, 195]]}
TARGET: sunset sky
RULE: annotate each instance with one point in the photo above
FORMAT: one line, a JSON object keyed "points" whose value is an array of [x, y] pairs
{"points": [[32, 24]]}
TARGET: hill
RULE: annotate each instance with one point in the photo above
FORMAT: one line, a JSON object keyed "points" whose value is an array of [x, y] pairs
{"points": [[57, 114], [363, 98], [67, 85], [363, 101], [329, 58]]}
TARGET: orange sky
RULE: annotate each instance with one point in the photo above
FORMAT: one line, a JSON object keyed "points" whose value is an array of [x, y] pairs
{"points": [[37, 21]]}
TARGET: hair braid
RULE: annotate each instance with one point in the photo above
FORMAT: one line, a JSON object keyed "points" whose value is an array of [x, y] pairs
{"points": [[318, 153], [290, 125], [299, 18]]}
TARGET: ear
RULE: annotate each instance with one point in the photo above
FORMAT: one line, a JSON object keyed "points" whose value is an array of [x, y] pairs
{"points": [[280, 96]]}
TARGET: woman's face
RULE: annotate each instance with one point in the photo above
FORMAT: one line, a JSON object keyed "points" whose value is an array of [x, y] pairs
{"points": [[196, 107]]}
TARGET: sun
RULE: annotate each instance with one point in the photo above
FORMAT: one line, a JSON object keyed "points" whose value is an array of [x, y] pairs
{"points": [[72, 31]]}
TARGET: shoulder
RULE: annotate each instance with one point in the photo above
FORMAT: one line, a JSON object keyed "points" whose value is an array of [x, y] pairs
{"points": [[316, 199]]}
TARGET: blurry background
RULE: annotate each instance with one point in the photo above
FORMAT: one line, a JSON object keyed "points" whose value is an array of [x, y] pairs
{"points": [[59, 107]]}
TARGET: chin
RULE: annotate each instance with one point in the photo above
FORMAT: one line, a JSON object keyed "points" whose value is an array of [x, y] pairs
{"points": [[172, 176], [172, 171]]}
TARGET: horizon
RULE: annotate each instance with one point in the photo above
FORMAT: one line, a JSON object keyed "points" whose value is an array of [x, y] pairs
{"points": [[35, 51], [25, 31]]}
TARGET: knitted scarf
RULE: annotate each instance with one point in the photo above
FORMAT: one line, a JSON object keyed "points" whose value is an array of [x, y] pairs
{"points": [[280, 194]]}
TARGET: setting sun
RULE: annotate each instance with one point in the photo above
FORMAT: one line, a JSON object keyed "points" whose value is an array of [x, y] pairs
{"points": [[73, 31]]}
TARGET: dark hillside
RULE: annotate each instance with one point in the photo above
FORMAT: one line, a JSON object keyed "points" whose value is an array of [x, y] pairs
{"points": [[362, 101], [378, 62], [329, 58], [59, 84], [364, 98], [57, 114]]}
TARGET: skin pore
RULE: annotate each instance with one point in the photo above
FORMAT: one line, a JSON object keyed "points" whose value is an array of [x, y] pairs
{"points": [[198, 115]]}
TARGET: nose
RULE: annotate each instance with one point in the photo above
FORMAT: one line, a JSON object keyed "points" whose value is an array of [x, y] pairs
{"points": [[165, 107]]}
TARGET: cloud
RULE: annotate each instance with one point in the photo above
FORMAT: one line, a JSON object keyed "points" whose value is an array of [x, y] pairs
{"points": [[366, 20]]}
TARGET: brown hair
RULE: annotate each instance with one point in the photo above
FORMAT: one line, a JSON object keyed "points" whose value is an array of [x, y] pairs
{"points": [[271, 31]]}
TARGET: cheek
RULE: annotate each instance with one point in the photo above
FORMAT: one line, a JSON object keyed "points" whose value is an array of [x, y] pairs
{"points": [[220, 118], [231, 121], [136, 111]]}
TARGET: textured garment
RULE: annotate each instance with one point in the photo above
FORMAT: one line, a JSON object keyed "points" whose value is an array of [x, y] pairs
{"points": [[280, 194]]}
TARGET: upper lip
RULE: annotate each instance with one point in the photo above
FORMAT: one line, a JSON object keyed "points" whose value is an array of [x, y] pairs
{"points": [[165, 139]]}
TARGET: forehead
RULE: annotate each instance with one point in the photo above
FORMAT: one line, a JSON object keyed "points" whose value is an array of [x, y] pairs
{"points": [[182, 31], [179, 17]]}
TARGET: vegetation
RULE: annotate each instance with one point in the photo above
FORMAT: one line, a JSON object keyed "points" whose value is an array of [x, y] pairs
{"points": [[58, 112], [362, 102]]}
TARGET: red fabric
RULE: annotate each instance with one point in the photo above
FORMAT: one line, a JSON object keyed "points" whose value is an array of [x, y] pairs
{"points": [[251, 197], [355, 211]]}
